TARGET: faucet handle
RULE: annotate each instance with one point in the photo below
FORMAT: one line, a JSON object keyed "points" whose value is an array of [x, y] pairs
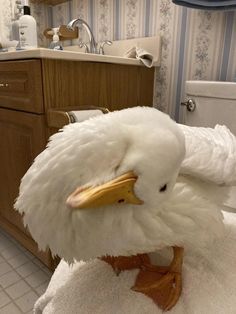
{"points": [[82, 44], [101, 47]]}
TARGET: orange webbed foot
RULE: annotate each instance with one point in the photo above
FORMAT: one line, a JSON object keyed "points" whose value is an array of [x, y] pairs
{"points": [[162, 284]]}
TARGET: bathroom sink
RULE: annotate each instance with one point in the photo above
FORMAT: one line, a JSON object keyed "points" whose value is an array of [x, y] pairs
{"points": [[120, 47], [112, 54]]}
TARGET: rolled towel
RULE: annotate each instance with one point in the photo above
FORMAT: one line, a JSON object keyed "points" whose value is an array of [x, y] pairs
{"points": [[144, 56]]}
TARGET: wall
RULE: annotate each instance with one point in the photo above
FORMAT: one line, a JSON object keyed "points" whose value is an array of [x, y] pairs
{"points": [[199, 45], [6, 9]]}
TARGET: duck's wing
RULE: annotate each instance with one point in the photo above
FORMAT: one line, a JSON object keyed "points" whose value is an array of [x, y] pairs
{"points": [[210, 154]]}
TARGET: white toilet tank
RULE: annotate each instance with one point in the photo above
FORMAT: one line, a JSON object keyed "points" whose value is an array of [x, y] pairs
{"points": [[215, 104]]}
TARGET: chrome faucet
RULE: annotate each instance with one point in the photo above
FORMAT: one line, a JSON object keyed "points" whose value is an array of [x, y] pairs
{"points": [[93, 46]]}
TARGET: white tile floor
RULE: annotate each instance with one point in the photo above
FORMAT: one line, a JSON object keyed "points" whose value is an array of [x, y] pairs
{"points": [[23, 278]]}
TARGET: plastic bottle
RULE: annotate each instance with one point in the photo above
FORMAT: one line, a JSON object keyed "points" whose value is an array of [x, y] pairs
{"points": [[27, 30]]}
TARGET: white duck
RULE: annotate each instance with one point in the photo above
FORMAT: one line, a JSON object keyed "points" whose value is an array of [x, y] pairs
{"points": [[121, 185]]}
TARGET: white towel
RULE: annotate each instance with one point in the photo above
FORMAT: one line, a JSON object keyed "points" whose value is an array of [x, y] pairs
{"points": [[144, 56], [209, 285]]}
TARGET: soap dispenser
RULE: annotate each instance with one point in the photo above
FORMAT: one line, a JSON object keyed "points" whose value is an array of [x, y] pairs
{"points": [[55, 44], [27, 29]]}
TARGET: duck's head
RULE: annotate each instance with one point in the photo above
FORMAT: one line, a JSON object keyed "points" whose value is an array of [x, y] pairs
{"points": [[98, 187]]}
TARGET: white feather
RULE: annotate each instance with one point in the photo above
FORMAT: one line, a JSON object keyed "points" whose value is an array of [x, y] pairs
{"points": [[145, 141], [210, 154]]}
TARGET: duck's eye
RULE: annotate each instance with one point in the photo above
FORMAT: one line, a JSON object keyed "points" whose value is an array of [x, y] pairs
{"points": [[163, 188]]}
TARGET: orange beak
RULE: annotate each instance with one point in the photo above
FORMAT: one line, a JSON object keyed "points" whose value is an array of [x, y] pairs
{"points": [[117, 191]]}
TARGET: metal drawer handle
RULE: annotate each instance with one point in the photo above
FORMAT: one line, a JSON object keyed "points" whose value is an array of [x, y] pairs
{"points": [[190, 105], [4, 84]]}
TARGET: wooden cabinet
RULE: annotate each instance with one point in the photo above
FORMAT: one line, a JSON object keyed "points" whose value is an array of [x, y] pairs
{"points": [[29, 89], [114, 86], [22, 138], [21, 85]]}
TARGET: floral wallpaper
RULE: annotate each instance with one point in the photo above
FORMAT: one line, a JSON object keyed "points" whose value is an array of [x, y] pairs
{"points": [[163, 79], [6, 11], [203, 42], [196, 44]]}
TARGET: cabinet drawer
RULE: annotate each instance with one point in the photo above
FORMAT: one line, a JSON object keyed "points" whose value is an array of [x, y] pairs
{"points": [[21, 85]]}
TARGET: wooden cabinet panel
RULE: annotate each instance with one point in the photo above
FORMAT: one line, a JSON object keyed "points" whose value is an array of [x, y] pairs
{"points": [[113, 86], [21, 85], [22, 138], [129, 88]]}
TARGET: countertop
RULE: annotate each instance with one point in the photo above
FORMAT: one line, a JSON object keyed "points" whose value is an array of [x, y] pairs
{"points": [[65, 55], [114, 54]]}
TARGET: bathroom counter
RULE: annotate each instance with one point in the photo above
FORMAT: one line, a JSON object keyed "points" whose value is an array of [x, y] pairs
{"points": [[44, 53], [113, 54], [67, 55]]}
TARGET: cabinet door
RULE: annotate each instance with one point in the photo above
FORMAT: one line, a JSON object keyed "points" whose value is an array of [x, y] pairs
{"points": [[21, 85], [22, 137]]}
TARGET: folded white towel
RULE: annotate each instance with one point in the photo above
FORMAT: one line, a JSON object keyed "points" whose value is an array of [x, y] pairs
{"points": [[209, 284], [145, 57]]}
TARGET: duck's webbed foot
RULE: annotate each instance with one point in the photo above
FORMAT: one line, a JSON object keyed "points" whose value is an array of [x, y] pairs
{"points": [[163, 284]]}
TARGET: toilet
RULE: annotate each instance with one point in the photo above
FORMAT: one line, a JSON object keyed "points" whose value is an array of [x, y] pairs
{"points": [[215, 103]]}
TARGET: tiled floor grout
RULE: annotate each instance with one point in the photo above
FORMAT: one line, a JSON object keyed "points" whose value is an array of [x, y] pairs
{"points": [[11, 244]]}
